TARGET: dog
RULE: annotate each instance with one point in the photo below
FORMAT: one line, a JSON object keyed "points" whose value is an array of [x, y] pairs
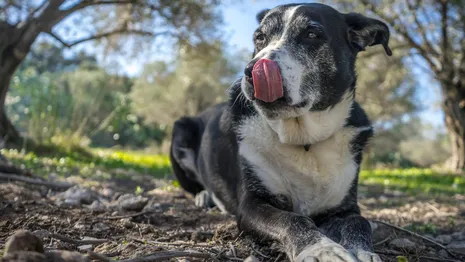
{"points": [[284, 153]]}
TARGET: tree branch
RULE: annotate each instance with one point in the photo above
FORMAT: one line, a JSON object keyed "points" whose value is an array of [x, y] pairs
{"points": [[445, 40], [58, 39], [88, 3], [37, 9], [421, 30], [121, 31], [403, 32], [49, 184]]}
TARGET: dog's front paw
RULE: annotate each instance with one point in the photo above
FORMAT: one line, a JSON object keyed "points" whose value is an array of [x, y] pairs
{"points": [[204, 200], [365, 256], [325, 250]]}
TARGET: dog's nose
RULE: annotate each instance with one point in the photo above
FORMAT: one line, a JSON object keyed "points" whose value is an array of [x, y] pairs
{"points": [[248, 69]]}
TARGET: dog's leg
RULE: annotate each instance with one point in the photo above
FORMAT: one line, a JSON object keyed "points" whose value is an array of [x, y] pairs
{"points": [[298, 234], [354, 233]]}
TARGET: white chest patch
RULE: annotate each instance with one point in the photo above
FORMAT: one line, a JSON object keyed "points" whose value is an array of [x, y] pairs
{"points": [[315, 180]]}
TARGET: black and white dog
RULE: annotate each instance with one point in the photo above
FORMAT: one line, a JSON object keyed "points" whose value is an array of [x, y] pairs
{"points": [[284, 153]]}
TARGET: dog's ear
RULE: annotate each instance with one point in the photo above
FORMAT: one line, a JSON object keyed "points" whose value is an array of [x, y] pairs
{"points": [[261, 15], [364, 31]]}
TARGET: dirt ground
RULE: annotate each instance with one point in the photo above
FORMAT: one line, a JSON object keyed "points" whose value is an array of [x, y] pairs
{"points": [[159, 218]]}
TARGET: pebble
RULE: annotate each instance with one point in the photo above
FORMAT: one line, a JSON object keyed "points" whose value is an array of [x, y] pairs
{"points": [[457, 247], [76, 196], [100, 227], [79, 225], [403, 244], [24, 241], [444, 239], [443, 253], [126, 222], [130, 202], [459, 235], [96, 206], [85, 248], [156, 206]]}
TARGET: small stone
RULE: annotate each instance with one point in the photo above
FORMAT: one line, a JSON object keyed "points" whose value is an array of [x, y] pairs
{"points": [[459, 235], [383, 199], [444, 239], [85, 248], [79, 225], [403, 244], [457, 247], [89, 238], [96, 206], [251, 258], [130, 202], [108, 192], [65, 256], [443, 253], [100, 227], [157, 206], [76, 196], [24, 241], [126, 222]]}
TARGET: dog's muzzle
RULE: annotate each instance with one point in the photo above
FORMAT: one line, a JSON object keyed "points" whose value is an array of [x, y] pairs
{"points": [[266, 80]]}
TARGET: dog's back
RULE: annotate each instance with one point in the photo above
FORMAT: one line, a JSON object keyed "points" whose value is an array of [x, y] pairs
{"points": [[185, 145]]}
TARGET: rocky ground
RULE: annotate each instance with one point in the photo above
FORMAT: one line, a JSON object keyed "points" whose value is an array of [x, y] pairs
{"points": [[117, 220]]}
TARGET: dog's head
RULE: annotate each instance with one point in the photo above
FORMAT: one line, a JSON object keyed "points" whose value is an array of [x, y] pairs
{"points": [[304, 57]]}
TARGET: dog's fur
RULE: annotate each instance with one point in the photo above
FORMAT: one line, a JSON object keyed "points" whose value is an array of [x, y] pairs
{"points": [[289, 169]]}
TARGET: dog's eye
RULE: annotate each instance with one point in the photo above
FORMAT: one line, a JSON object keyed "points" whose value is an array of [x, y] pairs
{"points": [[312, 35], [260, 37]]}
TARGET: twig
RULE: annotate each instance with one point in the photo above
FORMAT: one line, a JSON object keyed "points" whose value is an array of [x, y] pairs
{"points": [[415, 235], [54, 185], [44, 233], [234, 258], [279, 257], [143, 241], [439, 259], [163, 256], [260, 253], [127, 216], [389, 253], [99, 257], [10, 169], [233, 250], [382, 241]]}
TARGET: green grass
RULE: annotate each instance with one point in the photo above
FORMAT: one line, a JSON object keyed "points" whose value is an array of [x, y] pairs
{"points": [[415, 180], [106, 164], [96, 163]]}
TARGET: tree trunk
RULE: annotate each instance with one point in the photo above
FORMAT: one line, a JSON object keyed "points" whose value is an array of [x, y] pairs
{"points": [[454, 110], [7, 131], [14, 47]]}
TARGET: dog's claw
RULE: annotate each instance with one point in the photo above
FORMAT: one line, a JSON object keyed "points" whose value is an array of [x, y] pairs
{"points": [[365, 256], [325, 251]]}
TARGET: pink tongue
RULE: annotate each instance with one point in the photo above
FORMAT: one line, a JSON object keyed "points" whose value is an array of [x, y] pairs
{"points": [[267, 82]]}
